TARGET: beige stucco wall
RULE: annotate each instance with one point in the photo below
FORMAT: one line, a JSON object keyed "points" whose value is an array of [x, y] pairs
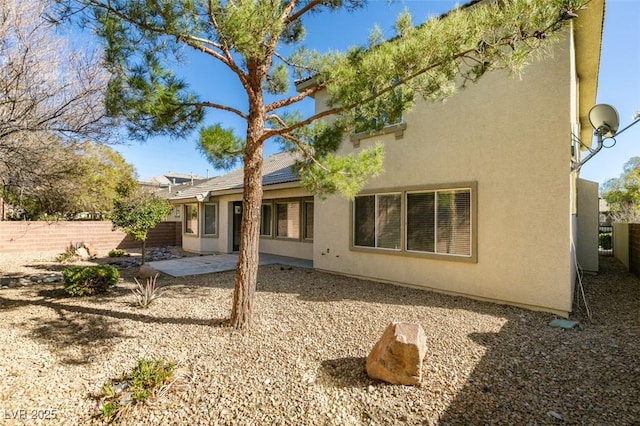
{"points": [[588, 222], [509, 135], [175, 215], [621, 243]]}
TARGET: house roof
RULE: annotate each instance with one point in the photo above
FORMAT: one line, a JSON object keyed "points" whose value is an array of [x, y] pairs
{"points": [[276, 169], [171, 178]]}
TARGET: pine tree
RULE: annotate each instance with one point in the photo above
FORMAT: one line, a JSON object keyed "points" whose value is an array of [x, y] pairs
{"points": [[249, 39]]}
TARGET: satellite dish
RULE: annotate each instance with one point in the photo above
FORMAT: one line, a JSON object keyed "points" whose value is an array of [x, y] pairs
{"points": [[605, 120]]}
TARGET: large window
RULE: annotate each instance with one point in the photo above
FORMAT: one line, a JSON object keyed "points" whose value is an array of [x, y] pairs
{"points": [[431, 222], [191, 219], [439, 222], [377, 221], [210, 219], [288, 219]]}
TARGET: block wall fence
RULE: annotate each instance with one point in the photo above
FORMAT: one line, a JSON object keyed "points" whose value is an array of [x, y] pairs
{"points": [[40, 237]]}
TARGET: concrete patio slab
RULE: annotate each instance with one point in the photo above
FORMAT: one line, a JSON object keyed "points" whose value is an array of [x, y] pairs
{"points": [[196, 265]]}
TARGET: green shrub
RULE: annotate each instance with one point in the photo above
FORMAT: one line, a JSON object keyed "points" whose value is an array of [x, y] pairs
{"points": [[88, 280], [605, 240], [146, 379], [117, 253]]}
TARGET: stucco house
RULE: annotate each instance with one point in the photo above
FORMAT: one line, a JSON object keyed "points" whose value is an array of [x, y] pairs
{"points": [[211, 212], [478, 198]]}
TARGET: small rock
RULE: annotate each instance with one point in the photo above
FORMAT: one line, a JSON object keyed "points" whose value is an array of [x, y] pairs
{"points": [[555, 415], [146, 271], [51, 279]]}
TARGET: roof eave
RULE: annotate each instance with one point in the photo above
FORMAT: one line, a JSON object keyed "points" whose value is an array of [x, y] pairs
{"points": [[271, 187], [191, 198], [231, 191], [588, 44]]}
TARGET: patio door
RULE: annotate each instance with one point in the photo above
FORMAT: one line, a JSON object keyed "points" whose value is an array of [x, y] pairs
{"points": [[237, 218]]}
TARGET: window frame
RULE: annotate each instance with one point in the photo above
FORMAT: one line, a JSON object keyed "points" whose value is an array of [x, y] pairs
{"points": [[195, 229], [270, 234], [375, 208], [287, 201], [471, 186], [204, 220], [436, 193], [305, 203]]}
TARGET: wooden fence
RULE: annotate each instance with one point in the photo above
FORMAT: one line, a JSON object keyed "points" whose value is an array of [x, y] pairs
{"points": [[41, 237], [626, 245], [634, 248]]}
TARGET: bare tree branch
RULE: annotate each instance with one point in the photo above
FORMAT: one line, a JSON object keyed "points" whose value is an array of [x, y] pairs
{"points": [[50, 93]]}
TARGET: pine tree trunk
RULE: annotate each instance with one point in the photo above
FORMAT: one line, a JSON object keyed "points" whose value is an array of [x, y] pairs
{"points": [[247, 269]]}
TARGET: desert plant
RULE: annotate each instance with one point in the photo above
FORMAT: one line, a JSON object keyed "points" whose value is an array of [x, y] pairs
{"points": [[146, 379], [70, 253], [605, 240], [147, 293], [117, 253], [88, 280]]}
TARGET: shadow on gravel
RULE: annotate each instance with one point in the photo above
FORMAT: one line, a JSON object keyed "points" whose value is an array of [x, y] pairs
{"points": [[545, 375], [77, 339], [80, 333], [6, 303], [344, 373], [50, 267]]}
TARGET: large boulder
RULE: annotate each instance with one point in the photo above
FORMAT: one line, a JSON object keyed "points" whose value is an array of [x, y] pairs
{"points": [[397, 357]]}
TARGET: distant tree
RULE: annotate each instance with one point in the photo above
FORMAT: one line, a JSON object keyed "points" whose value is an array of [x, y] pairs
{"points": [[260, 44], [72, 178], [104, 171], [50, 95], [623, 193], [137, 210]]}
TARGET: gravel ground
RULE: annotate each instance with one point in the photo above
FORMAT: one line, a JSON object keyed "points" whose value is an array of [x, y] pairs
{"points": [[303, 363]]}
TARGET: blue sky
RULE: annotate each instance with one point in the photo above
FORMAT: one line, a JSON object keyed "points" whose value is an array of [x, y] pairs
{"points": [[619, 84]]}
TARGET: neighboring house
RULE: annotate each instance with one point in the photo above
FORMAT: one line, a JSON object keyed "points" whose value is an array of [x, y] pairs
{"points": [[478, 197], [605, 213], [169, 184], [171, 178]]}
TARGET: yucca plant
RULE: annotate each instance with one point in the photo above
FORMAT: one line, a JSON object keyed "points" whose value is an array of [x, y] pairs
{"points": [[147, 293], [69, 255]]}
